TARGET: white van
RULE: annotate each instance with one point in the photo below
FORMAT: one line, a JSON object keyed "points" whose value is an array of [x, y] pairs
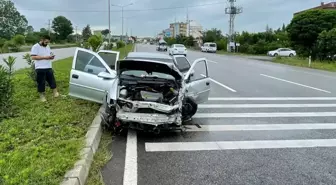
{"points": [[209, 47]]}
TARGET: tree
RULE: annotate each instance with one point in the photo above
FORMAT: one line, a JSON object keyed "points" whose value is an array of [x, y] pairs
{"points": [[12, 22], [326, 44], [105, 32], [306, 27], [212, 35], [62, 27], [86, 33], [95, 41], [30, 29]]}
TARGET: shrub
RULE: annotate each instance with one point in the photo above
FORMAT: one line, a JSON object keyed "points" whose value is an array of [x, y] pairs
{"points": [[31, 73], [120, 44], [6, 87], [108, 46], [95, 42], [10, 46], [18, 40]]}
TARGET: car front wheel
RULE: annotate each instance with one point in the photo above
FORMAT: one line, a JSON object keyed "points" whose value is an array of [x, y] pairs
{"points": [[291, 55], [275, 54]]}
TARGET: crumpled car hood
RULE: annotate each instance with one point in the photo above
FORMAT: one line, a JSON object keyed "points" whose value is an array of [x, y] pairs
{"points": [[149, 66]]}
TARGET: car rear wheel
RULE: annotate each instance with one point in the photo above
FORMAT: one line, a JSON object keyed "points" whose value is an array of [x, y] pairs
{"points": [[275, 54], [291, 55]]}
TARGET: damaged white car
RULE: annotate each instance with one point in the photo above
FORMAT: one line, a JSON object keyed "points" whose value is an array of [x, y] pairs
{"points": [[140, 94]]}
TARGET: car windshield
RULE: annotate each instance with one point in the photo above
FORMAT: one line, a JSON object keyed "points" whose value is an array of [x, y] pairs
{"points": [[141, 73], [179, 46]]}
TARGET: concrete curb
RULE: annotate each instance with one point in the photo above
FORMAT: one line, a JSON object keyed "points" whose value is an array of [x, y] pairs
{"points": [[79, 174]]}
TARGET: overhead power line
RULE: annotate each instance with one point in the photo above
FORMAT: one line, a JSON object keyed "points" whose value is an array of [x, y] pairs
{"points": [[130, 10]]}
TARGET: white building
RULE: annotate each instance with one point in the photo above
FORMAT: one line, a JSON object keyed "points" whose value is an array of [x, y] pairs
{"points": [[196, 30]]}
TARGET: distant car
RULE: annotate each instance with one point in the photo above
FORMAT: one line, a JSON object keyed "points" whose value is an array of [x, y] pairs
{"points": [[284, 52], [177, 49], [151, 43], [162, 46], [209, 47]]}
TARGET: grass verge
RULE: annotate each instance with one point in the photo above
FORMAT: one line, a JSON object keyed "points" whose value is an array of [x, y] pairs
{"points": [[301, 62], [103, 155], [39, 145]]}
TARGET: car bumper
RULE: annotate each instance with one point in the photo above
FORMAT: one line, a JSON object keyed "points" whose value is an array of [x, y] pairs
{"points": [[149, 118], [179, 52]]}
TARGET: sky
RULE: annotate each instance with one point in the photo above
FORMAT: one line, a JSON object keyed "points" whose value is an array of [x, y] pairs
{"points": [[148, 17]]}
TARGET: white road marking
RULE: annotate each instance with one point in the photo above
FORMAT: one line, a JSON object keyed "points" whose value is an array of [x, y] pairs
{"points": [[292, 126], [212, 106], [264, 115], [295, 83], [131, 163], [270, 98], [226, 87], [238, 145], [212, 61]]}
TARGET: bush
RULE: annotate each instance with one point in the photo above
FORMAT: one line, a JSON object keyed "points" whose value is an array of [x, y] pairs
{"points": [[120, 44], [6, 87], [10, 46], [31, 73], [95, 42], [108, 46], [18, 40]]}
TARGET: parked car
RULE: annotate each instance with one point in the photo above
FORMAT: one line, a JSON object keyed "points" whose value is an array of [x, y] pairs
{"points": [[139, 93], [286, 52], [162, 46], [209, 47], [177, 49]]}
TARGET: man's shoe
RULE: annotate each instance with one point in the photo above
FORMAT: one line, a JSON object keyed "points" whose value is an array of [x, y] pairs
{"points": [[56, 94], [43, 99]]}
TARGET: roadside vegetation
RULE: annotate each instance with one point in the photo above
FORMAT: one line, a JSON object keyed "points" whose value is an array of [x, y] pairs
{"points": [[103, 154], [310, 33], [39, 142]]}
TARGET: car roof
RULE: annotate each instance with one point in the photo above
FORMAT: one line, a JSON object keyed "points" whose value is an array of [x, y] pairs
{"points": [[148, 55]]}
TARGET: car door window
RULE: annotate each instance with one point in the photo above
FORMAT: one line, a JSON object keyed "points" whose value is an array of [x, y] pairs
{"points": [[200, 71], [109, 58], [87, 62]]}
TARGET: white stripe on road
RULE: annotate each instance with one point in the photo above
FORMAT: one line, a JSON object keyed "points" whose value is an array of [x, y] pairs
{"points": [[292, 126], [131, 163], [295, 83], [226, 87], [238, 145], [270, 98], [212, 106], [264, 115], [212, 61]]}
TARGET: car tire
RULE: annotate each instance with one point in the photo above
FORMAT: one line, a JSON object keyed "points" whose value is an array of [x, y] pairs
{"points": [[291, 55], [275, 54], [189, 109], [185, 55]]}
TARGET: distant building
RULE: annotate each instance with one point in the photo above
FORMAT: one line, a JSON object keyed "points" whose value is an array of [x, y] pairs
{"points": [[167, 32], [178, 28], [323, 6]]}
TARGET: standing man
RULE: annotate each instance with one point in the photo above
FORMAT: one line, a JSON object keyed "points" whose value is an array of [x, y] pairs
{"points": [[43, 56]]}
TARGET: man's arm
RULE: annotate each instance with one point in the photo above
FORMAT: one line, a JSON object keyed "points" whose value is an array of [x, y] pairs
{"points": [[34, 54]]}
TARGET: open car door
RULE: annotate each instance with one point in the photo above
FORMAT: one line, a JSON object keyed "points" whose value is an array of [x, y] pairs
{"points": [[182, 63], [110, 57], [198, 81], [91, 76]]}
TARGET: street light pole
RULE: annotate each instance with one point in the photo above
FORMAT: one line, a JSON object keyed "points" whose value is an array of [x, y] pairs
{"points": [[109, 20], [122, 23]]}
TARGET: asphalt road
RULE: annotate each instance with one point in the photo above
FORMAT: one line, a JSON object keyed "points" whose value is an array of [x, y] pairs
{"points": [[21, 63], [264, 123]]}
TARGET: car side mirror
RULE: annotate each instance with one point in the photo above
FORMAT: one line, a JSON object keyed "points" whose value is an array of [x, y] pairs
{"points": [[106, 75]]}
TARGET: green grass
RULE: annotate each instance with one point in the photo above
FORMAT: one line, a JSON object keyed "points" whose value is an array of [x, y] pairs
{"points": [[103, 155], [39, 145], [303, 62]]}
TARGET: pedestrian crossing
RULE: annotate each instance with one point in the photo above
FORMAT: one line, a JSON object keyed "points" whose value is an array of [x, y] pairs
{"points": [[289, 116]]}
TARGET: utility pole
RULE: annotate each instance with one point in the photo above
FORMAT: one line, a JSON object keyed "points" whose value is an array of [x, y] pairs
{"points": [[188, 23], [76, 34], [122, 23], [232, 10], [109, 20], [49, 26]]}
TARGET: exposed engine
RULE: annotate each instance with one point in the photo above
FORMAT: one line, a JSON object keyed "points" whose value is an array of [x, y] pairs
{"points": [[159, 93]]}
